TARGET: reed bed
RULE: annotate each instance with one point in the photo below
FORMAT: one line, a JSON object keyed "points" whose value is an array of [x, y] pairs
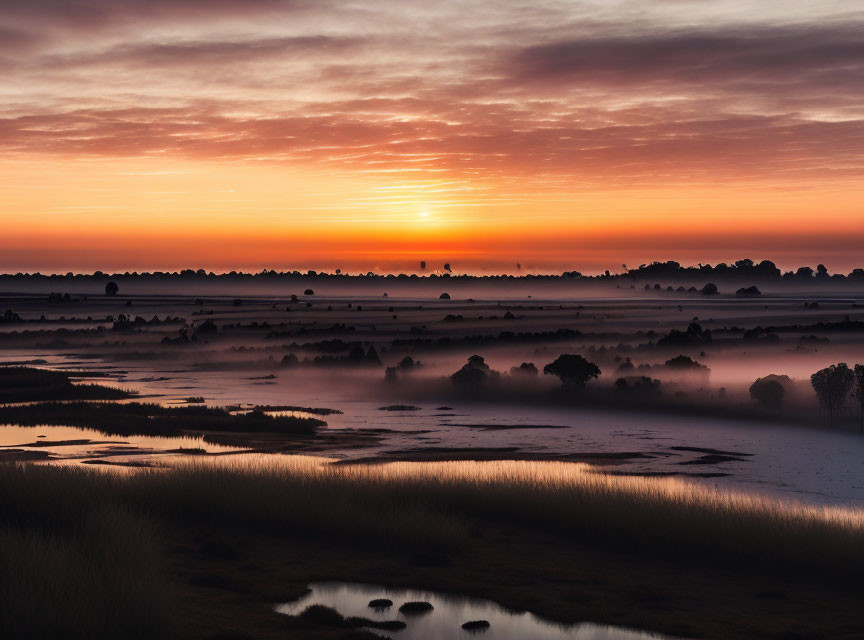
{"points": [[446, 499], [91, 529]]}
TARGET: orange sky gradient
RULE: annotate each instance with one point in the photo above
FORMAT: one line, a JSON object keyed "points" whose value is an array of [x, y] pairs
{"points": [[295, 135]]}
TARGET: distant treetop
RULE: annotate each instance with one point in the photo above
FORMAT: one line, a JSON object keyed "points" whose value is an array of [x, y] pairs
{"points": [[745, 271]]}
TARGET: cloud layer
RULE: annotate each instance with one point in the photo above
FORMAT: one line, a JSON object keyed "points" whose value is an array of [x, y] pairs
{"points": [[571, 93]]}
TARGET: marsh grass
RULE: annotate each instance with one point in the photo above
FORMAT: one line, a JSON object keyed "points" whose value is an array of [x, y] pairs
{"points": [[90, 534], [28, 384], [149, 419], [437, 503], [95, 573]]}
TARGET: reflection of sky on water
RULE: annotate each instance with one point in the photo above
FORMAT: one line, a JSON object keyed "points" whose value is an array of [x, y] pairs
{"points": [[450, 612], [793, 462], [76, 443]]}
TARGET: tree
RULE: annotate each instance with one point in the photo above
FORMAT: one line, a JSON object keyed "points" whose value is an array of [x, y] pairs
{"points": [[573, 370], [767, 392], [709, 289], [744, 292], [473, 375], [524, 369], [832, 386], [638, 386], [111, 289], [858, 392], [309, 292]]}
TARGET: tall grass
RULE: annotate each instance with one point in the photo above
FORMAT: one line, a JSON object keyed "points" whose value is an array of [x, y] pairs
{"points": [[86, 569], [79, 547], [649, 515]]}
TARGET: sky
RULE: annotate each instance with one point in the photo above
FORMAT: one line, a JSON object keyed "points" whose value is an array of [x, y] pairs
{"points": [[372, 134]]}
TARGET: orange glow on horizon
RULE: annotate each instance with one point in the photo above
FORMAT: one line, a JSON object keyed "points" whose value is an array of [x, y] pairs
{"points": [[176, 214]]}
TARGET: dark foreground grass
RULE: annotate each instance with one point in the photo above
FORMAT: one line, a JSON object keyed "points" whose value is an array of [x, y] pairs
{"points": [[81, 547], [148, 419], [93, 573]]}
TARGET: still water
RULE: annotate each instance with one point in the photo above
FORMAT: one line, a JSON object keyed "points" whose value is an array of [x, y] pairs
{"points": [[76, 443], [445, 621]]}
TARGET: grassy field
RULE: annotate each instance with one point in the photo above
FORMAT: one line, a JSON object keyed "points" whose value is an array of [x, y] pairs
{"points": [[84, 551]]}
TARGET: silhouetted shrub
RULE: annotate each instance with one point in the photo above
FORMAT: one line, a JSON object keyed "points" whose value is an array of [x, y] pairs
{"points": [[416, 607], [745, 292], [626, 366], [473, 375], [475, 625], [319, 614], [380, 603], [693, 335], [638, 386], [684, 363], [111, 289], [767, 392], [573, 370], [524, 369]]}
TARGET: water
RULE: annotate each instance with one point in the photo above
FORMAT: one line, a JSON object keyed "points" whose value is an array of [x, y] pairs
{"points": [[823, 467], [450, 612], [240, 367], [63, 443]]}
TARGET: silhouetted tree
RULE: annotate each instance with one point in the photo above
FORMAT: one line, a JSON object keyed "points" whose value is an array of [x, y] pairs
{"points": [[694, 334], [638, 386], [767, 392], [684, 363], [308, 292], [573, 370], [626, 367], [751, 291], [524, 369], [372, 358], [473, 375], [444, 296], [709, 289], [832, 385], [858, 392], [111, 289]]}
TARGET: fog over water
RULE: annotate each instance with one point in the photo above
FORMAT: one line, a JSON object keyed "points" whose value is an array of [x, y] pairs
{"points": [[250, 350]]}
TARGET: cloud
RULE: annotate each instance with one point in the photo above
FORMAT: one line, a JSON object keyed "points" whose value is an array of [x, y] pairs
{"points": [[91, 14], [498, 141], [560, 94], [197, 54], [739, 59]]}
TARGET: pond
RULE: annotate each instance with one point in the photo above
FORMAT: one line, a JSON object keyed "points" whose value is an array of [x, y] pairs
{"points": [[450, 612]]}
